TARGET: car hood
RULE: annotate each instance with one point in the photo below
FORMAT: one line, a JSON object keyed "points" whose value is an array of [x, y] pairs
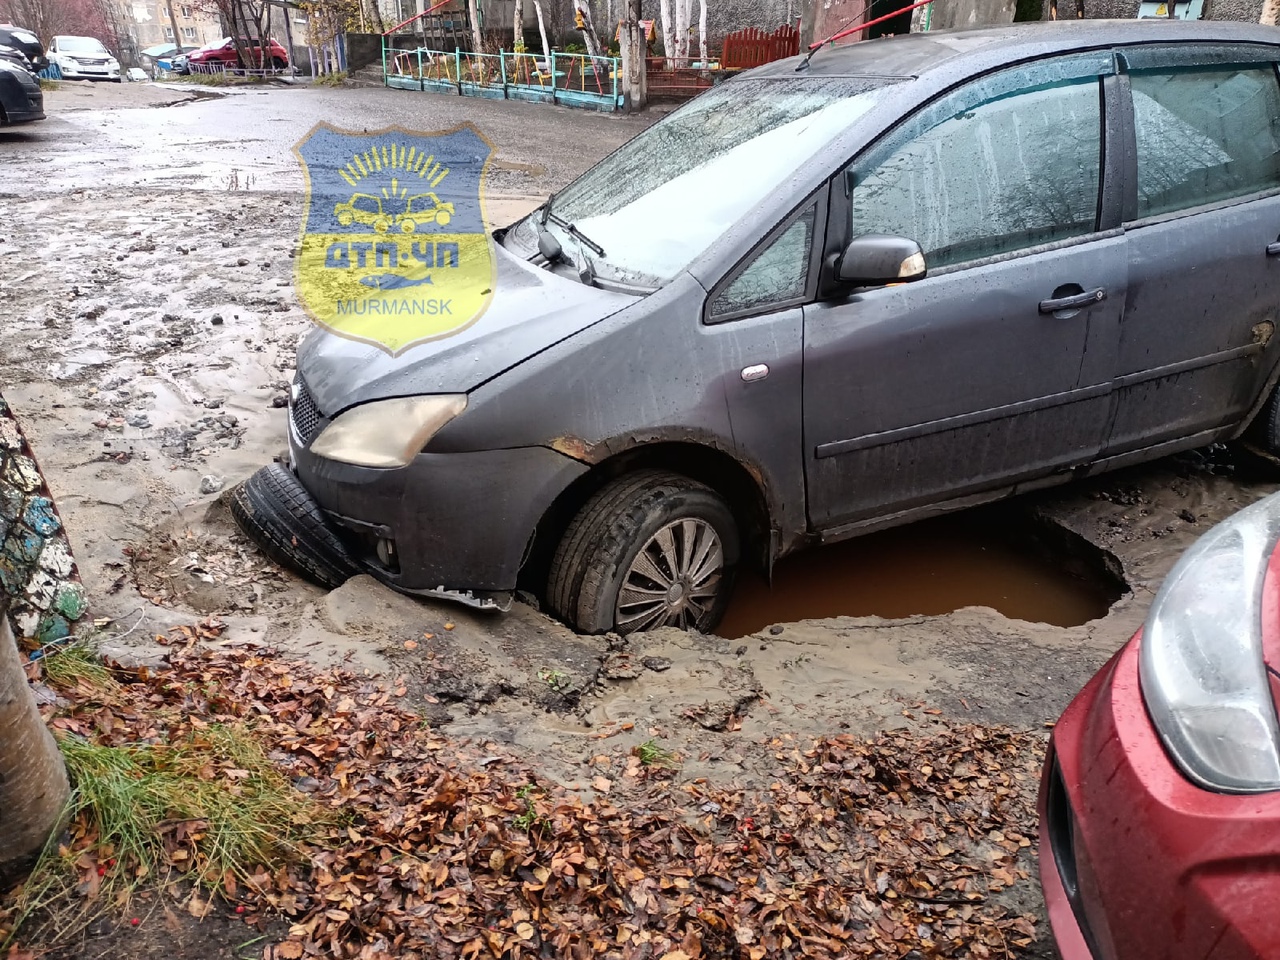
{"points": [[530, 310]]}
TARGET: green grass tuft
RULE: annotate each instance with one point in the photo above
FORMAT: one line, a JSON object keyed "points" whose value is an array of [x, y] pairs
{"points": [[653, 755], [210, 806], [67, 666]]}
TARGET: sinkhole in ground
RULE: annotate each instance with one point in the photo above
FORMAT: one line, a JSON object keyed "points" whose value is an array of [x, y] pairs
{"points": [[998, 557]]}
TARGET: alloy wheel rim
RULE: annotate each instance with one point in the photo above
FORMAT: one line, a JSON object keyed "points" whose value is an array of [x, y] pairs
{"points": [[674, 579]]}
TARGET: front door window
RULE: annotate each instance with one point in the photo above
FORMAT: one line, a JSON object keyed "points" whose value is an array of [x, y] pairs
{"points": [[1009, 163]]}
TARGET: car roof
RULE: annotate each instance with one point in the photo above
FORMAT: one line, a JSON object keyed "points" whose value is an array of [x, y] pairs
{"points": [[913, 54]]}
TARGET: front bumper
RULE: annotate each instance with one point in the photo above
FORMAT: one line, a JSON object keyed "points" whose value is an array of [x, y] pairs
{"points": [[78, 71], [460, 523], [23, 100], [1136, 862]]}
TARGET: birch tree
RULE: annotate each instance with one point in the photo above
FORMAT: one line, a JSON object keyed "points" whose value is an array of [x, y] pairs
{"points": [[668, 28], [590, 37], [517, 34], [477, 40], [542, 29], [33, 778], [702, 31]]}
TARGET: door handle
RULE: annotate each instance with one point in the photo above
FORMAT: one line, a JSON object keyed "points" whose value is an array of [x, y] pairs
{"points": [[1074, 302], [1273, 249]]}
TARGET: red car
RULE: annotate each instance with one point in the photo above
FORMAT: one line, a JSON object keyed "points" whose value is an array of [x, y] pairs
{"points": [[224, 52], [1160, 801]]}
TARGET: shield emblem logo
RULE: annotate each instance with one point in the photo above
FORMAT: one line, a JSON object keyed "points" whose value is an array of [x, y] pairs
{"points": [[394, 246]]}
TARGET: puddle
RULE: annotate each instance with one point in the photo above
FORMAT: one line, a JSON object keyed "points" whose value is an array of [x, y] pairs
{"points": [[989, 558]]}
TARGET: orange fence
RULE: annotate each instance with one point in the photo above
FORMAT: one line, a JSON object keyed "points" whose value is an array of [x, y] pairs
{"points": [[753, 47]]}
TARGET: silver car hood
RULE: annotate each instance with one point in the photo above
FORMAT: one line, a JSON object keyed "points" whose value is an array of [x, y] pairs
{"points": [[531, 310]]}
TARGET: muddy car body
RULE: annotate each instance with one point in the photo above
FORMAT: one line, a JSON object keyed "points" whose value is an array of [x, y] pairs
{"points": [[816, 314]]}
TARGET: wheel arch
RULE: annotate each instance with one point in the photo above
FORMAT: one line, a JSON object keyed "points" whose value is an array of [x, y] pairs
{"points": [[741, 486]]}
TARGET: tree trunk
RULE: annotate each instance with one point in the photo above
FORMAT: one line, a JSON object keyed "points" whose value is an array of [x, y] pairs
{"points": [[702, 31], [682, 32], [589, 35], [542, 31], [33, 778], [477, 40], [668, 32], [517, 36]]}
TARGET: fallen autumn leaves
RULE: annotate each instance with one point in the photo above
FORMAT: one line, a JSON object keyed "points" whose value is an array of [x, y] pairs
{"points": [[894, 846]]}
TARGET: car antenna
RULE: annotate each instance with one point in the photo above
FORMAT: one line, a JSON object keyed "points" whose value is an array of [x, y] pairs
{"points": [[845, 31]]}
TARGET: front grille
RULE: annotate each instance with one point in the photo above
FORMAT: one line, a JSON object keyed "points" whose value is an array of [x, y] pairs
{"points": [[305, 414]]}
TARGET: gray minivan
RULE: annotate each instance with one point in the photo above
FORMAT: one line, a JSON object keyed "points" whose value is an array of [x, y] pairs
{"points": [[902, 277]]}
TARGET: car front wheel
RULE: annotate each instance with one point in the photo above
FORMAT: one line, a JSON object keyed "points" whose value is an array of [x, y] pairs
{"points": [[650, 549]]}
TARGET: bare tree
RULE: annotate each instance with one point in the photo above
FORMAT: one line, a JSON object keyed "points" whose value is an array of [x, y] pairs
{"points": [[589, 35], [668, 28], [41, 17], [33, 778], [542, 29], [702, 31]]}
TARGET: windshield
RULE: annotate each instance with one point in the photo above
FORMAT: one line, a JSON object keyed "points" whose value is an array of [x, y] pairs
{"points": [[664, 197], [81, 45]]}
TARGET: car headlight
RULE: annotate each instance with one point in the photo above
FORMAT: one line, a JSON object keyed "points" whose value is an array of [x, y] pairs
{"points": [[387, 433], [1201, 663]]}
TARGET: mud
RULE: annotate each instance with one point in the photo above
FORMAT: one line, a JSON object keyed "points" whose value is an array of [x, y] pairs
{"points": [[149, 335], [148, 351]]}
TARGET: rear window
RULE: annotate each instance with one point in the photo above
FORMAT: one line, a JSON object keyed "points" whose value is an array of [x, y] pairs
{"points": [[1205, 134]]}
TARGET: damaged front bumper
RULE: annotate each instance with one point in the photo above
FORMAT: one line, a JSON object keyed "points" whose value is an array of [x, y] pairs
{"points": [[453, 526]]}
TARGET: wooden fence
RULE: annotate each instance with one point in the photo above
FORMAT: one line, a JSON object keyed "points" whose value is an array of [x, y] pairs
{"points": [[670, 79], [753, 47]]}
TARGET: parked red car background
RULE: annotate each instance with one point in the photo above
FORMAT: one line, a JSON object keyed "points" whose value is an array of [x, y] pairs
{"points": [[1160, 801], [224, 52]]}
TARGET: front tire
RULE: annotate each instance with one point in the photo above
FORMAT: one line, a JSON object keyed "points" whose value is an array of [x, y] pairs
{"points": [[274, 511], [650, 549], [1265, 429]]}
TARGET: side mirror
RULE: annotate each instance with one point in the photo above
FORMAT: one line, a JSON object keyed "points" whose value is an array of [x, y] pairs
{"points": [[876, 259]]}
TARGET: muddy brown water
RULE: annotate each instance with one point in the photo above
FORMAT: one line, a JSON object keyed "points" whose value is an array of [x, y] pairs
{"points": [[977, 558]]}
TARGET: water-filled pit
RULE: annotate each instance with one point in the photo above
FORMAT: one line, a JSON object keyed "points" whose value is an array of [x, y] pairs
{"points": [[995, 557]]}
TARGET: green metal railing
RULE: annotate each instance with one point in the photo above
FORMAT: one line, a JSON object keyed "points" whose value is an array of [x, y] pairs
{"points": [[572, 79]]}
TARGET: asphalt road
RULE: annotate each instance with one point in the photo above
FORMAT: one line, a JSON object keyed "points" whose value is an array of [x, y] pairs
{"points": [[179, 136]]}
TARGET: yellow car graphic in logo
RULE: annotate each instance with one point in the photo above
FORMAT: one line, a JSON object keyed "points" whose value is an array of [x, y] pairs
{"points": [[363, 208], [424, 208]]}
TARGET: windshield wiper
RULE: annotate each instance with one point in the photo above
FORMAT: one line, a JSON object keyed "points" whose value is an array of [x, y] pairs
{"points": [[550, 250], [569, 228]]}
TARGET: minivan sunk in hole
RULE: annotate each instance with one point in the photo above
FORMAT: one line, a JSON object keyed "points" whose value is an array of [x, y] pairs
{"points": [[902, 277]]}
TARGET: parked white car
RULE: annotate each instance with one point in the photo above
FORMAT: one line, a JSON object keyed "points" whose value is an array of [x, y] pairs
{"points": [[84, 58], [137, 73]]}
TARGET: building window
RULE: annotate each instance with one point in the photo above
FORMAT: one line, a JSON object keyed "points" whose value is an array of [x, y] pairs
{"points": [[186, 13], [168, 33], [188, 33]]}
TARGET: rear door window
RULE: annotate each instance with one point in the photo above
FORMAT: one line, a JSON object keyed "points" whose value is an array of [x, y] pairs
{"points": [[1205, 134]]}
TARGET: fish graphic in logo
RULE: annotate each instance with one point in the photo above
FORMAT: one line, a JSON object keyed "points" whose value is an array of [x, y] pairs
{"points": [[394, 246]]}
